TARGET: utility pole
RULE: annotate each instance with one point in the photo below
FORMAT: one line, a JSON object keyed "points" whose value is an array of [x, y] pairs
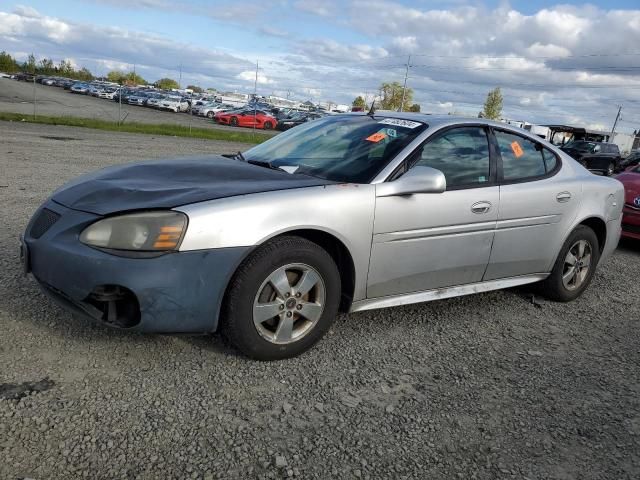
{"points": [[255, 105], [404, 87], [180, 79], [34, 96], [615, 123]]}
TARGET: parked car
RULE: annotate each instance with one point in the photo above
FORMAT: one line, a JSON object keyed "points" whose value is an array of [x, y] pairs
{"points": [[247, 118], [298, 119], [139, 98], [597, 156], [48, 81], [81, 88], [154, 100], [210, 109], [631, 213], [175, 104], [108, 93], [629, 161], [94, 90], [350, 212]]}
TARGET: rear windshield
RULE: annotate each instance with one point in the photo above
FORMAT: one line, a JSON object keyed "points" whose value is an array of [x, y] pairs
{"points": [[343, 148], [581, 146]]}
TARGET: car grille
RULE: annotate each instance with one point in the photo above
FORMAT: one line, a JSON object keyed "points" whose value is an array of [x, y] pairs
{"points": [[627, 227], [45, 220]]}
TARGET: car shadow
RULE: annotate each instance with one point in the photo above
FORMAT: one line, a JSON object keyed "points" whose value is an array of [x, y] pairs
{"points": [[629, 245]]}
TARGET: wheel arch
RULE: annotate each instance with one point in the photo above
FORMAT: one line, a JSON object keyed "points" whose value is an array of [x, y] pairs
{"points": [[332, 245], [599, 227]]}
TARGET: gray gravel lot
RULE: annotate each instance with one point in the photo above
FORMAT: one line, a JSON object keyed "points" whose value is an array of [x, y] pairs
{"points": [[18, 97], [490, 386]]}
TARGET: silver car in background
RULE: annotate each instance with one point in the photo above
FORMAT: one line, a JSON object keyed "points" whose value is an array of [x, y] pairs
{"points": [[345, 213]]}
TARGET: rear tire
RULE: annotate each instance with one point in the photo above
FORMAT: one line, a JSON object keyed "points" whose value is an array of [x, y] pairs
{"points": [[282, 299], [574, 268], [268, 126], [611, 169], [210, 114]]}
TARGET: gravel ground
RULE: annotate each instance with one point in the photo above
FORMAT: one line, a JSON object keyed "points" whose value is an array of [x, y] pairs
{"points": [[491, 386], [18, 97]]}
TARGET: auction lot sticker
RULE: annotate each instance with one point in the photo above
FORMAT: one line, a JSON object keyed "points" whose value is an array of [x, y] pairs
{"points": [[400, 123]]}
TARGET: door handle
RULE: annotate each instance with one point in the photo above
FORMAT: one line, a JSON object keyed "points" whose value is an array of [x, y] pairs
{"points": [[481, 207], [563, 197]]}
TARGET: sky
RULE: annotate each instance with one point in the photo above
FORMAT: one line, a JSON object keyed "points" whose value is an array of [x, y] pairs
{"points": [[569, 62]]}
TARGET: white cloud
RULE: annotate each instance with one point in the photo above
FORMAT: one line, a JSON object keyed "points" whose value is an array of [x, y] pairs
{"points": [[250, 76]]}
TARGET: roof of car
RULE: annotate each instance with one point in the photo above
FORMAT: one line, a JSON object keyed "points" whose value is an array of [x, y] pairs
{"points": [[433, 120]]}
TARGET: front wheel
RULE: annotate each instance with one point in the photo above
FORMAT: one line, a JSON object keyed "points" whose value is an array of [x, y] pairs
{"points": [[282, 299], [234, 121], [268, 125], [575, 266], [210, 114]]}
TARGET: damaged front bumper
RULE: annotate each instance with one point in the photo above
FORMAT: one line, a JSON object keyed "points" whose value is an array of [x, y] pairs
{"points": [[178, 292]]}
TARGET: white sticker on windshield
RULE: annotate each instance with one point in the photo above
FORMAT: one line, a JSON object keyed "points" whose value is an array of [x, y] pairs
{"points": [[400, 123]]}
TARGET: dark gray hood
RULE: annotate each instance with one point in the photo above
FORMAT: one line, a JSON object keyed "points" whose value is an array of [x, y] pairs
{"points": [[171, 183]]}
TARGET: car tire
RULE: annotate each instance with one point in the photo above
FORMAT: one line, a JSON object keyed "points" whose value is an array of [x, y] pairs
{"points": [[289, 262], [268, 126], [210, 114], [233, 122], [566, 281], [611, 169]]}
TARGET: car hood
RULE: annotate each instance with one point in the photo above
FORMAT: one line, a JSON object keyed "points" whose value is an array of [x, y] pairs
{"points": [[171, 183], [631, 182]]}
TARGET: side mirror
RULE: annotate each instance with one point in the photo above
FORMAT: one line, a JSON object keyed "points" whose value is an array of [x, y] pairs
{"points": [[597, 148], [417, 180]]}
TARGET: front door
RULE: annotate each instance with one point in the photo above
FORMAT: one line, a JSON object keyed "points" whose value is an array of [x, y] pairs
{"points": [[427, 241]]}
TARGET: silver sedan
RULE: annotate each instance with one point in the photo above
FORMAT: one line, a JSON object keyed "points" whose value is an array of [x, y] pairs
{"points": [[345, 213]]}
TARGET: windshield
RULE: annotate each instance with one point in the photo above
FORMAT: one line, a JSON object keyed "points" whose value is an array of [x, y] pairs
{"points": [[342, 148], [581, 146]]}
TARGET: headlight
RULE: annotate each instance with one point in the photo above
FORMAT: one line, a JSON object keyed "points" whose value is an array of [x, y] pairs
{"points": [[144, 232]]}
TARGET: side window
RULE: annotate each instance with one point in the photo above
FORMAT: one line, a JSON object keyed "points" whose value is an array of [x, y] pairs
{"points": [[521, 158], [462, 154], [550, 159]]}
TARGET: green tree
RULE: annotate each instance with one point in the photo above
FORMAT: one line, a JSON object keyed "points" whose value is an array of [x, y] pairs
{"points": [[83, 74], [30, 64], [7, 63], [195, 88], [415, 107], [167, 84], [116, 76], [360, 102], [493, 105], [391, 93], [46, 66]]}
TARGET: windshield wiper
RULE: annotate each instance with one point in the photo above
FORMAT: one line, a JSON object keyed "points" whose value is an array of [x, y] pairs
{"points": [[264, 163], [235, 156]]}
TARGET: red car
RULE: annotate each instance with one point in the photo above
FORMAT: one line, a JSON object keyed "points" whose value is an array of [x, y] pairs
{"points": [[631, 213], [247, 119]]}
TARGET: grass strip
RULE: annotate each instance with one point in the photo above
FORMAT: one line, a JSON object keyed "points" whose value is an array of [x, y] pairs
{"points": [[145, 128]]}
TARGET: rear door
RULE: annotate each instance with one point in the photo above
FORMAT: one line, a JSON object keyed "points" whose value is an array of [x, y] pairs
{"points": [[426, 241], [538, 202]]}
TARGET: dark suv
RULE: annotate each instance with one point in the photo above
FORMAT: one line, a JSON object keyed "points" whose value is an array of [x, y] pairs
{"points": [[597, 156]]}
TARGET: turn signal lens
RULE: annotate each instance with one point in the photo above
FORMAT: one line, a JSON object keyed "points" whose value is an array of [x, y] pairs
{"points": [[144, 232]]}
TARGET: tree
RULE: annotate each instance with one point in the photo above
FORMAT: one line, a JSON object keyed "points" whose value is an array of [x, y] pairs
{"points": [[83, 74], [30, 64], [46, 66], [8, 63], [195, 88], [167, 84], [415, 107], [360, 102], [493, 105], [391, 93]]}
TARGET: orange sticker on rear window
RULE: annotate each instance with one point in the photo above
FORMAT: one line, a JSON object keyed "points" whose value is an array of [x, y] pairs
{"points": [[517, 149], [376, 137]]}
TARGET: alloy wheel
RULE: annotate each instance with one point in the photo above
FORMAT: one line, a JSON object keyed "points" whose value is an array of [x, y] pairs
{"points": [[289, 303], [577, 264]]}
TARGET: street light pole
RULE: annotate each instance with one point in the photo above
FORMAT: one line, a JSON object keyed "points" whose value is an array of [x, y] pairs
{"points": [[404, 87]]}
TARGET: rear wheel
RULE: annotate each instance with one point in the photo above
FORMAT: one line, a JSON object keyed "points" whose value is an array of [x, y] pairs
{"points": [[210, 114], [574, 267], [268, 125], [282, 299]]}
